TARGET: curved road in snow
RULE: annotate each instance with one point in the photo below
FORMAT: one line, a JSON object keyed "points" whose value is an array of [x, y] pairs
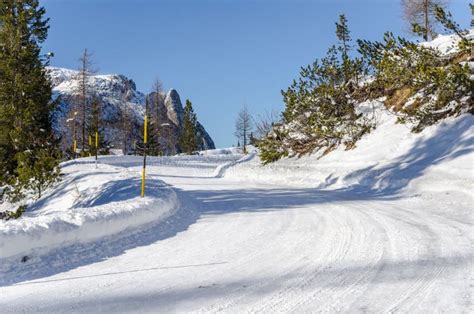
{"points": [[237, 247]]}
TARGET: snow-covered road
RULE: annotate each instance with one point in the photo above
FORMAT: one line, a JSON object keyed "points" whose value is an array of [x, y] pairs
{"points": [[249, 247]]}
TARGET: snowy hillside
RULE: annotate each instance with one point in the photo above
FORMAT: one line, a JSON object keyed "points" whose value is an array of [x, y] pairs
{"points": [[447, 44], [386, 160], [119, 96]]}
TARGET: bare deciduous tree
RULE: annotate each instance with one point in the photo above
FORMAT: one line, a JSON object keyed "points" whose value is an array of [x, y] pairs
{"points": [[420, 16], [84, 92], [265, 123], [243, 127]]}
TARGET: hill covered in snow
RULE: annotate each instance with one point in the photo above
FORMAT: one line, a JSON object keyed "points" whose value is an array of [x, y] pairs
{"points": [[122, 109], [422, 84]]}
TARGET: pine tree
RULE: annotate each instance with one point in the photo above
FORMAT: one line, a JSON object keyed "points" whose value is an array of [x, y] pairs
{"points": [[188, 138], [343, 35], [26, 136], [37, 170], [97, 129], [472, 13]]}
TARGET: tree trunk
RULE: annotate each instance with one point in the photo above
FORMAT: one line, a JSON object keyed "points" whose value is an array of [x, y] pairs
{"points": [[425, 13]]}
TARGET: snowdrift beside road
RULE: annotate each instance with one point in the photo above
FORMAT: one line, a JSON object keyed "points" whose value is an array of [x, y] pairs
{"points": [[388, 160], [88, 204]]}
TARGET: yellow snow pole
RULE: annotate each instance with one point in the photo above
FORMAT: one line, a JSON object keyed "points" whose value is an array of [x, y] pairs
{"points": [[96, 147], [145, 131], [74, 148], [90, 145], [143, 183]]}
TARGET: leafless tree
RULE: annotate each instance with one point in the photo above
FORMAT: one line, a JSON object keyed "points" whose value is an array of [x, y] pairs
{"points": [[84, 92], [421, 14], [156, 116], [265, 122], [243, 127], [126, 119]]}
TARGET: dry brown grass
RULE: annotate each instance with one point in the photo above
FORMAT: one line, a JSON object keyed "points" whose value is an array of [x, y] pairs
{"points": [[397, 100]]}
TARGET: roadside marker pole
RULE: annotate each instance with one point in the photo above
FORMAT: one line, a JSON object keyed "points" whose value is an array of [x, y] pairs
{"points": [[145, 140], [90, 145], [96, 147], [74, 149]]}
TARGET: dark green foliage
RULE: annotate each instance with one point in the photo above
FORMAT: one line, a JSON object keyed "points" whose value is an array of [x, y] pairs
{"points": [[440, 86], [419, 83], [446, 19], [271, 148], [320, 104], [37, 170], [7, 215], [96, 126], [188, 138], [343, 35], [25, 97], [472, 13]]}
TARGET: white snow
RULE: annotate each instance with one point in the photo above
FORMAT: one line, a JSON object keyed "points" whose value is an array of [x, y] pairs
{"points": [[88, 205], [386, 227], [447, 44]]}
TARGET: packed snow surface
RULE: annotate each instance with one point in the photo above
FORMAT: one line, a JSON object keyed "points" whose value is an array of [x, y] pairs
{"points": [[386, 227]]}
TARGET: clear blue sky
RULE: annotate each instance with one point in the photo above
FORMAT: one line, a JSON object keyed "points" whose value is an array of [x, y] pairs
{"points": [[221, 54]]}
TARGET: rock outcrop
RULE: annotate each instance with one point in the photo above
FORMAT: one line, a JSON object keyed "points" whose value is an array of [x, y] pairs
{"points": [[122, 111]]}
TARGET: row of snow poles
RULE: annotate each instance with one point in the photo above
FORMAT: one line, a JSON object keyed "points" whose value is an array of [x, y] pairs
{"points": [[74, 146], [74, 142]]}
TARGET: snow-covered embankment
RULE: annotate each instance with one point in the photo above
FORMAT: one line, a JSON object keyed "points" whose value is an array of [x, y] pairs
{"points": [[89, 204]]}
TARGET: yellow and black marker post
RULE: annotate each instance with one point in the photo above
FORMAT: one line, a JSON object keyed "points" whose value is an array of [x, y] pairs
{"points": [[90, 145], [145, 140], [96, 147], [74, 148]]}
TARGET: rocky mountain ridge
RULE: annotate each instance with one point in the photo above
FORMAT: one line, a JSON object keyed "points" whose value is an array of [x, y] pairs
{"points": [[122, 111]]}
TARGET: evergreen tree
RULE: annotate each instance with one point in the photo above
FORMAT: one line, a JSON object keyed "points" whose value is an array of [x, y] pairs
{"points": [[26, 137], [188, 138], [343, 35], [320, 104], [37, 170], [96, 127], [472, 13]]}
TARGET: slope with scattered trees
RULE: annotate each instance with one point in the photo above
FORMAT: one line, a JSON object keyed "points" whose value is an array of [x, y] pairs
{"points": [[420, 84]]}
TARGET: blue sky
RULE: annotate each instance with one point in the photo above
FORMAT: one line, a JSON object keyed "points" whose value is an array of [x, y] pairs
{"points": [[221, 54]]}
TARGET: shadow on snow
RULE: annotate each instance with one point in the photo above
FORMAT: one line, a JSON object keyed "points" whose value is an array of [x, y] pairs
{"points": [[375, 183]]}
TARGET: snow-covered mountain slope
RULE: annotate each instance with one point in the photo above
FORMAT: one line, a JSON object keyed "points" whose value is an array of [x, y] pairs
{"points": [[119, 96]]}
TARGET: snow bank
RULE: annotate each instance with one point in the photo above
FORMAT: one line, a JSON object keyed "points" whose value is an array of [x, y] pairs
{"points": [[447, 44], [206, 165], [390, 159], [89, 204]]}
